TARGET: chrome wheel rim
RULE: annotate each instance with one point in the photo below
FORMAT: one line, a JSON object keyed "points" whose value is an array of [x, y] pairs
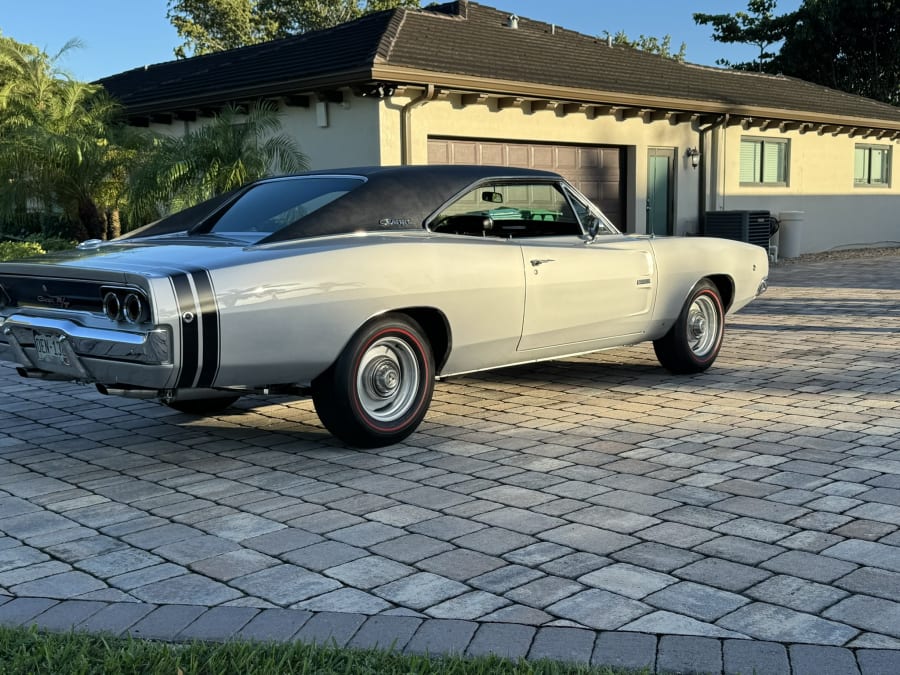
{"points": [[387, 379], [703, 325]]}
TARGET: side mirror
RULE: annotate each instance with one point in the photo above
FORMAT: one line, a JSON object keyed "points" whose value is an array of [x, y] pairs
{"points": [[593, 226]]}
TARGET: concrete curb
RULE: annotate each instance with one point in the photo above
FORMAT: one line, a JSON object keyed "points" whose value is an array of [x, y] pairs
{"points": [[659, 653]]}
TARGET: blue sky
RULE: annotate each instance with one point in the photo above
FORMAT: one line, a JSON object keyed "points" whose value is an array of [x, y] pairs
{"points": [[122, 34]]}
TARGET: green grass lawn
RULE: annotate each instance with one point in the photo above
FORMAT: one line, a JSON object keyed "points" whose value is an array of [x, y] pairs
{"points": [[28, 651]]}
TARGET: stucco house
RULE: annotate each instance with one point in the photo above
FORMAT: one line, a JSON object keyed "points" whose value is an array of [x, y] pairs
{"points": [[656, 143]]}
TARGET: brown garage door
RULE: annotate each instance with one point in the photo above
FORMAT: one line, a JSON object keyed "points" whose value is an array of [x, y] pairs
{"points": [[596, 170]]}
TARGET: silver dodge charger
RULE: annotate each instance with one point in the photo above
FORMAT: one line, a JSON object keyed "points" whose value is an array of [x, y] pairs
{"points": [[360, 287]]}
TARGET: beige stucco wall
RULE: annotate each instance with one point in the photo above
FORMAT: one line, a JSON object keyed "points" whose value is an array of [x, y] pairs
{"points": [[837, 214], [820, 184], [485, 122], [350, 137]]}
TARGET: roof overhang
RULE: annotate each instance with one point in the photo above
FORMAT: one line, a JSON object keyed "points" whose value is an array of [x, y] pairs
{"points": [[280, 89], [530, 96], [644, 104]]}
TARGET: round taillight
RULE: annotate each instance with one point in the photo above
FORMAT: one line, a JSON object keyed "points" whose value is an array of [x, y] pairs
{"points": [[133, 308], [112, 307]]}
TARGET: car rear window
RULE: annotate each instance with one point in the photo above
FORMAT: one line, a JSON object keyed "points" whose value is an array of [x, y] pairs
{"points": [[271, 206]]}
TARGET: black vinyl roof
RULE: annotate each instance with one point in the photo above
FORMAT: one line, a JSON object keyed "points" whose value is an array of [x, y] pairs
{"points": [[467, 40], [391, 198]]}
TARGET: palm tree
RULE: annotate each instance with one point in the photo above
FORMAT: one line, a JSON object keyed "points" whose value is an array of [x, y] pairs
{"points": [[236, 147], [65, 150], [60, 148], [29, 81], [71, 160]]}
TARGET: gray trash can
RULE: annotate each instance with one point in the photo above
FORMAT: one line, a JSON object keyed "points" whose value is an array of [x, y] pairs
{"points": [[790, 233]]}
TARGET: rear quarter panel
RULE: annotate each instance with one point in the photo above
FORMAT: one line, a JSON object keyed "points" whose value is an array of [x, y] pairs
{"points": [[285, 318]]}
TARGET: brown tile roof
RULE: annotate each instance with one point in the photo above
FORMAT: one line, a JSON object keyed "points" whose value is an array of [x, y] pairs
{"points": [[467, 46], [331, 57]]}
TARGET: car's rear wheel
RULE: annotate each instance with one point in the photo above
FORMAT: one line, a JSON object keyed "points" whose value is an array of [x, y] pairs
{"points": [[202, 406], [693, 342], [379, 389]]}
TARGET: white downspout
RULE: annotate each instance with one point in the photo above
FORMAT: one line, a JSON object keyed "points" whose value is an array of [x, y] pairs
{"points": [[405, 115]]}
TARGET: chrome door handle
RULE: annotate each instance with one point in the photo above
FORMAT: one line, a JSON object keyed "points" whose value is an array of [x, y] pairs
{"points": [[536, 262]]}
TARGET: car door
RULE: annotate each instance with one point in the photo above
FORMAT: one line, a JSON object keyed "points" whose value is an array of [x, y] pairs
{"points": [[586, 293]]}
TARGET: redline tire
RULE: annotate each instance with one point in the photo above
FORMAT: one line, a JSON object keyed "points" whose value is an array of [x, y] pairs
{"points": [[379, 389], [694, 341]]}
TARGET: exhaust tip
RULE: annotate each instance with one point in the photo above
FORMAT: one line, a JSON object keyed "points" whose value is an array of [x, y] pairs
{"points": [[112, 306], [133, 309]]}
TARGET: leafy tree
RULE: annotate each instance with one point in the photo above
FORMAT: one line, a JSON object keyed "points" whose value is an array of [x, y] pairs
{"points": [[290, 17], [852, 45], [236, 147], [213, 25], [758, 26], [652, 45]]}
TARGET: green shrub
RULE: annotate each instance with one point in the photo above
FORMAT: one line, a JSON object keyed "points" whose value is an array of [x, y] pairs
{"points": [[38, 226], [53, 243], [13, 250]]}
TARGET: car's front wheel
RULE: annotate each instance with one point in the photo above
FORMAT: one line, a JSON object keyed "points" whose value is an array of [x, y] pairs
{"points": [[693, 342], [202, 406], [379, 389]]}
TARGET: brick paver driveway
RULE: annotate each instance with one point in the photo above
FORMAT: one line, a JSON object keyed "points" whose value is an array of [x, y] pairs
{"points": [[760, 499]]}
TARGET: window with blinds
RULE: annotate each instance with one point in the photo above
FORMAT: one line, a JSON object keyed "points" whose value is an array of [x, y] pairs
{"points": [[764, 161], [871, 165]]}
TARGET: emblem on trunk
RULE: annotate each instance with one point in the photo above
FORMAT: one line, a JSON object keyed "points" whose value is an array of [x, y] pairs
{"points": [[59, 301]]}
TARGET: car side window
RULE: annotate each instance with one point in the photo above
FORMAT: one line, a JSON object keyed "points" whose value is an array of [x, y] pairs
{"points": [[510, 210], [273, 205], [592, 220]]}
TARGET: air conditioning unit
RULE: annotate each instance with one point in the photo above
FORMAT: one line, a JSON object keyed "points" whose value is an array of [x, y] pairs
{"points": [[753, 227]]}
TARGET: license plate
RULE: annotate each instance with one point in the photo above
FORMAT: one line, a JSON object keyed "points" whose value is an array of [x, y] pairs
{"points": [[49, 350]]}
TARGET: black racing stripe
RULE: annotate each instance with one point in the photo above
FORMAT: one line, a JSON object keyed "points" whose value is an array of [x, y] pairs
{"points": [[209, 316], [190, 332]]}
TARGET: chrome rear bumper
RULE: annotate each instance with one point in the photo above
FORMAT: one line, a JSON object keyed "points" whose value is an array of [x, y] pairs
{"points": [[86, 354]]}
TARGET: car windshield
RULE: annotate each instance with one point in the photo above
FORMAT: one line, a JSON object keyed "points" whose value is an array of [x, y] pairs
{"points": [[270, 206]]}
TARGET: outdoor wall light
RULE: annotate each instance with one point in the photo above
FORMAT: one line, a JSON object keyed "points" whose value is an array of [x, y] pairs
{"points": [[693, 154]]}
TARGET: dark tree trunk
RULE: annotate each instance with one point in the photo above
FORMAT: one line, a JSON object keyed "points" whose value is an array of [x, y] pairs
{"points": [[90, 218], [74, 230], [113, 224]]}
